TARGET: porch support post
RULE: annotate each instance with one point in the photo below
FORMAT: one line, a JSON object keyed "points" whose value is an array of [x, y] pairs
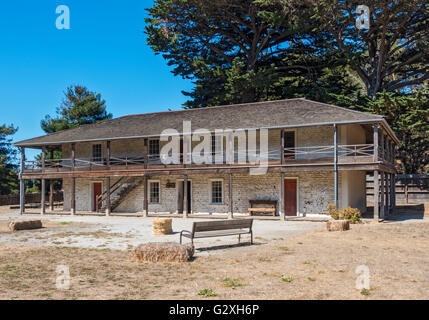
{"points": [[22, 183], [376, 143], [51, 185], [230, 202], [145, 197], [185, 196], [382, 197], [145, 157], [282, 146], [393, 194], [73, 192], [43, 196], [382, 147], [73, 196], [43, 185], [376, 190], [51, 195], [108, 203], [336, 165], [387, 194], [282, 196]]}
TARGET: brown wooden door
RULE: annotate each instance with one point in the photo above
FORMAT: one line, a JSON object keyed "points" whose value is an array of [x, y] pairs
{"points": [[290, 197], [97, 191]]}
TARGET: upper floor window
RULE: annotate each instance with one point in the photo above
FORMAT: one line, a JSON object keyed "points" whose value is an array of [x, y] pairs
{"points": [[154, 147], [289, 140], [96, 153], [216, 144]]}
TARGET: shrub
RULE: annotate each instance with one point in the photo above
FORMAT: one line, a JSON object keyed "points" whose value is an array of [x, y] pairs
{"points": [[349, 213], [333, 211]]}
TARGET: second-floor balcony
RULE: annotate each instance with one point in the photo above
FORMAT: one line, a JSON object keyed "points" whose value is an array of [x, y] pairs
{"points": [[346, 154]]}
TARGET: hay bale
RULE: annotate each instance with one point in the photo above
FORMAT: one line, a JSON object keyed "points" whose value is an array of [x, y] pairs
{"points": [[162, 226], [338, 225], [25, 225], [163, 252]]}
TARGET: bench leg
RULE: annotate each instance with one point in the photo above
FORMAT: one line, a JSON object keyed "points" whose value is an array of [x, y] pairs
{"points": [[180, 238], [251, 237], [239, 238]]}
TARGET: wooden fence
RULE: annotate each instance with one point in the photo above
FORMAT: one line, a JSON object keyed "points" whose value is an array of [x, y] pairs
{"points": [[409, 188], [13, 199]]}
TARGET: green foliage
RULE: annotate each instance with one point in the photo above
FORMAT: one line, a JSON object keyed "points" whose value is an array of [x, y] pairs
{"points": [[408, 115], [207, 293], [351, 214], [80, 106], [8, 167]]}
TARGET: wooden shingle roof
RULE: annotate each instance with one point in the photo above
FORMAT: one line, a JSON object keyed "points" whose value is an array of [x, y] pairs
{"points": [[270, 114]]}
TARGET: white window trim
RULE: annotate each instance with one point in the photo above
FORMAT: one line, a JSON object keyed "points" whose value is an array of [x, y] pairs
{"points": [[148, 191], [211, 192]]}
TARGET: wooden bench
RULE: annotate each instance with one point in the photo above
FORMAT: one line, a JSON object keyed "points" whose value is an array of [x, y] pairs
{"points": [[272, 209], [207, 229]]}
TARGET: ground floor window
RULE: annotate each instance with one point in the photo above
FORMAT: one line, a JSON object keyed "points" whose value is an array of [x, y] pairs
{"points": [[216, 191], [154, 192]]}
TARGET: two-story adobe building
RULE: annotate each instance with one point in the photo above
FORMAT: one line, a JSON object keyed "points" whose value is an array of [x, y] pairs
{"points": [[299, 154]]}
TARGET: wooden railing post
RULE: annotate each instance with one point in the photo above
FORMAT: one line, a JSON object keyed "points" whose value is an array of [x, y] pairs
{"points": [[336, 165], [73, 156], [376, 143], [145, 156], [282, 146], [22, 183], [185, 196], [282, 196], [108, 155], [376, 194]]}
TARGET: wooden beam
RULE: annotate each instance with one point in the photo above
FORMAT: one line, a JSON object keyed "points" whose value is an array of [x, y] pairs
{"points": [[282, 196], [230, 202], [382, 147], [51, 194], [393, 194], [73, 197], [22, 183], [145, 152], [376, 149], [185, 196], [108, 155], [73, 156], [336, 165], [282, 146], [42, 196], [145, 197], [382, 189], [386, 193], [108, 203], [376, 194]]}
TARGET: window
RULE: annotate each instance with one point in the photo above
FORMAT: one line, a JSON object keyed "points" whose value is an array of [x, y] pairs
{"points": [[217, 192], [289, 141], [96, 153], [154, 192], [216, 145], [154, 147]]}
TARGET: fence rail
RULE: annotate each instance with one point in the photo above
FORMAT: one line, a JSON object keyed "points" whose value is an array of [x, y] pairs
{"points": [[13, 199]]}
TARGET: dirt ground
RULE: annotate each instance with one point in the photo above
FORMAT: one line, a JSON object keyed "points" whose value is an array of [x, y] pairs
{"points": [[314, 265]]}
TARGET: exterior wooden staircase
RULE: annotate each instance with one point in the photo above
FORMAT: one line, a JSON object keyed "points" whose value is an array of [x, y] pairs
{"points": [[118, 192]]}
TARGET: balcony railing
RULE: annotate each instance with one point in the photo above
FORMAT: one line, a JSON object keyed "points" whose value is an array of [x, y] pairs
{"points": [[346, 154]]}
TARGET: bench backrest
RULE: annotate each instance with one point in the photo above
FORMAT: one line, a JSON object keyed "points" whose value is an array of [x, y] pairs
{"points": [[222, 225], [266, 202]]}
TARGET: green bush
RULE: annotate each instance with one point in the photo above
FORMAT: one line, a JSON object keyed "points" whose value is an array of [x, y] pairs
{"points": [[351, 214]]}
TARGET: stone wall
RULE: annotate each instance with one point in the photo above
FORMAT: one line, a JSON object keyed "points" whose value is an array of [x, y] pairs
{"points": [[315, 192]]}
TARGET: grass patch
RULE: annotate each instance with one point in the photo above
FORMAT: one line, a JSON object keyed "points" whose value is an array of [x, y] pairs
{"points": [[287, 279], [64, 223], [232, 283], [311, 279], [283, 248], [207, 293], [365, 292]]}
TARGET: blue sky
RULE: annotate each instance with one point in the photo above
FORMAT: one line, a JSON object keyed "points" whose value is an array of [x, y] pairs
{"points": [[105, 50]]}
